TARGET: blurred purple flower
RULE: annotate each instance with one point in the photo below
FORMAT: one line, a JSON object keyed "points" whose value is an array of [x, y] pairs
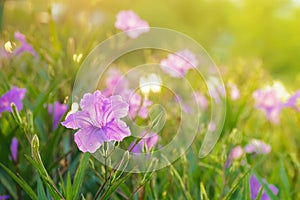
{"points": [[216, 89], [257, 147], [98, 121], [177, 65], [184, 107], [15, 95], [294, 101], [270, 100], [211, 126], [255, 187], [149, 142], [127, 20], [234, 91], [234, 154], [24, 47], [14, 149], [115, 83], [3, 197], [137, 105], [58, 110], [201, 100]]}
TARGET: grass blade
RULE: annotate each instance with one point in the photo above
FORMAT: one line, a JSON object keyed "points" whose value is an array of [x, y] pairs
{"points": [[21, 182], [79, 176], [40, 188]]}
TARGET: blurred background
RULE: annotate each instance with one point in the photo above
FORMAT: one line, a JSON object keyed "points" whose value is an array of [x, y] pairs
{"points": [[232, 31]]}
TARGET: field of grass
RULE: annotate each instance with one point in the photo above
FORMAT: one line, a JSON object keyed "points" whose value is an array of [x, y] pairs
{"points": [[83, 121]]}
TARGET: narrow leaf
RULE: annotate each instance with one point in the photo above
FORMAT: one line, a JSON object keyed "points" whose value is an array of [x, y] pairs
{"points": [[41, 191], [79, 176], [69, 187], [21, 182]]}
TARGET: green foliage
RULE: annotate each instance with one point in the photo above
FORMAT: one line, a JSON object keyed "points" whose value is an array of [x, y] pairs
{"points": [[253, 42]]}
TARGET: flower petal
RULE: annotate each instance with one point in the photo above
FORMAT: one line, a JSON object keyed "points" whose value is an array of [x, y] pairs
{"points": [[119, 107], [89, 139], [77, 120], [116, 130]]}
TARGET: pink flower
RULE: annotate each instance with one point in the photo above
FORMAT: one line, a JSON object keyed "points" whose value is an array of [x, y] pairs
{"points": [[115, 82], [184, 107], [137, 105], [234, 154], [294, 101], [147, 143], [234, 91], [201, 100], [257, 147], [129, 22], [211, 126], [98, 121], [269, 100], [177, 65]]}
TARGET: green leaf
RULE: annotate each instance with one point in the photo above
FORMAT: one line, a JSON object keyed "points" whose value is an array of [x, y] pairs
{"points": [[40, 188], [79, 176], [181, 183], [44, 177], [21, 182], [115, 186], [238, 182], [258, 197], [16, 114], [69, 187], [247, 195], [204, 195], [8, 184], [43, 97], [285, 181]]}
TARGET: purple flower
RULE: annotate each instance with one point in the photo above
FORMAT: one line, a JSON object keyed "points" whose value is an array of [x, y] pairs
{"points": [[14, 149], [137, 105], [115, 82], [183, 106], [177, 65], [255, 188], [211, 126], [15, 95], [3, 197], [24, 47], [129, 21], [216, 89], [257, 147], [234, 154], [270, 100], [148, 142], [58, 110], [234, 91], [201, 100], [98, 121], [294, 101]]}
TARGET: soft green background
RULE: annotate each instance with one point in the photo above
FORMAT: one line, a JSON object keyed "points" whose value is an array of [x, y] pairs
{"points": [[267, 30]]}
